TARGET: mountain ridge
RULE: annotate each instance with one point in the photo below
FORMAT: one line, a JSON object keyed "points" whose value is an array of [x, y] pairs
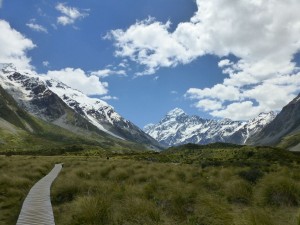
{"points": [[178, 128], [59, 104], [285, 126]]}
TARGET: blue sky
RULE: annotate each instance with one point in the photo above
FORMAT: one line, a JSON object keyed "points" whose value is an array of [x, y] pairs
{"points": [[216, 58]]}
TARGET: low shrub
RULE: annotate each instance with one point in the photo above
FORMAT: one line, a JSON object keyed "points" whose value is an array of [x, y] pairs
{"points": [[251, 175], [280, 191], [92, 211], [239, 191]]}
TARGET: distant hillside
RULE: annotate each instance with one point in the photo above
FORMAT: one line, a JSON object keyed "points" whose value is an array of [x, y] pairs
{"points": [[58, 104], [284, 130], [33, 119], [21, 132]]}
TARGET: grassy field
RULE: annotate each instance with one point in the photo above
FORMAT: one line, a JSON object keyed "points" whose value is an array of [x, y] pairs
{"points": [[194, 185], [18, 174]]}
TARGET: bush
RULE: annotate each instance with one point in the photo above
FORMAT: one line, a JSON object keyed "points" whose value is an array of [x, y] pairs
{"points": [[137, 211], [92, 211], [252, 175], [239, 192], [150, 189], [281, 192], [180, 204], [67, 190]]}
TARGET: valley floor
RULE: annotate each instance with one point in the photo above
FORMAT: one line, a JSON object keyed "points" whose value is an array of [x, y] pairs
{"points": [[167, 188]]}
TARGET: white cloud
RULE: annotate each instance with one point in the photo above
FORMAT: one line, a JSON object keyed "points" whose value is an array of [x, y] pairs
{"points": [[64, 20], [69, 14], [174, 92], [36, 27], [250, 30], [219, 91], [123, 65], [224, 62], [208, 104], [14, 46], [263, 36], [46, 63], [108, 97], [108, 72], [149, 43], [270, 96], [78, 79], [238, 111]]}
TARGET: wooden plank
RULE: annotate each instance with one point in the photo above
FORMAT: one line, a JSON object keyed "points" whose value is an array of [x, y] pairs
{"points": [[37, 208]]}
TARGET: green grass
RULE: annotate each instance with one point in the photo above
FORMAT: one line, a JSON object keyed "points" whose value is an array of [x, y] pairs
{"points": [[290, 141], [18, 174], [23, 134], [235, 185]]}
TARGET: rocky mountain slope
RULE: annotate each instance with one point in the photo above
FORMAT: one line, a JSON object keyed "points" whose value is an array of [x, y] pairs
{"points": [[60, 105], [22, 132], [283, 130], [178, 128]]}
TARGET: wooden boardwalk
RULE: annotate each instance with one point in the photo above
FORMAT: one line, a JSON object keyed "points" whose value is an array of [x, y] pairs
{"points": [[37, 208]]}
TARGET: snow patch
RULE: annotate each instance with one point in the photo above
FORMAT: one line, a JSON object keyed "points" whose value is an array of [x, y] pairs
{"points": [[20, 87], [179, 128]]}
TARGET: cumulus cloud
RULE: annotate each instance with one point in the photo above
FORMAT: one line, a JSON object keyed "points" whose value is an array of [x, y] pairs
{"points": [[262, 35], [208, 104], [69, 14], [225, 62], [14, 46], [36, 27], [108, 72], [219, 91], [78, 79], [238, 111], [150, 44]]}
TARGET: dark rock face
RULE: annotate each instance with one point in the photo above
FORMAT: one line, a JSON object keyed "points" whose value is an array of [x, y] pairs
{"points": [[43, 102], [49, 105], [285, 123]]}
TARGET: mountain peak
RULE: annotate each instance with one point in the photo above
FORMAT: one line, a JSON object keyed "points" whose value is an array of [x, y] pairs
{"points": [[264, 117], [8, 67], [178, 128], [57, 103], [175, 112]]}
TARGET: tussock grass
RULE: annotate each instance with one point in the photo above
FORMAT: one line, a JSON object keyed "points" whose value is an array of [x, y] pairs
{"points": [[258, 217], [239, 191], [18, 174], [280, 191], [251, 175], [146, 192], [222, 187], [92, 210]]}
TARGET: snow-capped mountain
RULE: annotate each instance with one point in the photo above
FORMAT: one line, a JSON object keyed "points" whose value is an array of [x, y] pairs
{"points": [[178, 128], [61, 105]]}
